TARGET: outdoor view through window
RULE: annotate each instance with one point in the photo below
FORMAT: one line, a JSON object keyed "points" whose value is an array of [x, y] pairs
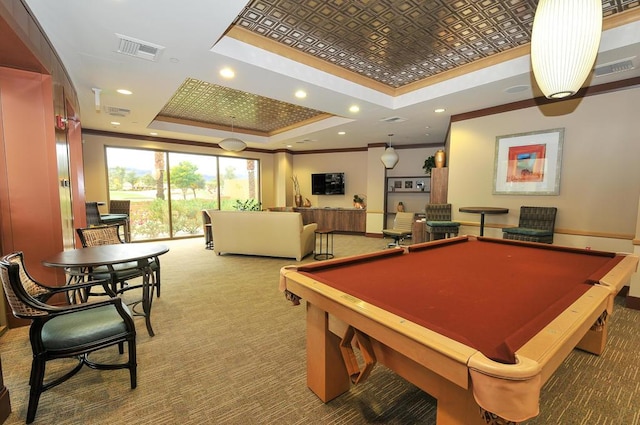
{"points": [[168, 190]]}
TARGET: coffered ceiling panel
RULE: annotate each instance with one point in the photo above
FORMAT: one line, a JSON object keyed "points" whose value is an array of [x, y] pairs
{"points": [[390, 58], [398, 42], [207, 103]]}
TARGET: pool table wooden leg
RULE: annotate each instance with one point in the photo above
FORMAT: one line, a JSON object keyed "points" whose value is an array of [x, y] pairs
{"points": [[327, 374]]}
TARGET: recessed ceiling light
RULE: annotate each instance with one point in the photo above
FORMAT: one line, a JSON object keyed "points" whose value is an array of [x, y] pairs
{"points": [[115, 123], [354, 108], [153, 133], [227, 73], [439, 110], [342, 133], [427, 134], [289, 146], [301, 94], [124, 91], [426, 126], [516, 89]]}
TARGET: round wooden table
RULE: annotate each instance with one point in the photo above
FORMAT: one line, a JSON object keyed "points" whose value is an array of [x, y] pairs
{"points": [[482, 211], [80, 264]]}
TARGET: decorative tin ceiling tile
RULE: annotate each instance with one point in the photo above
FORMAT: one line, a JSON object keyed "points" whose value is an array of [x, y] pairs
{"points": [[197, 100], [397, 42], [392, 42]]}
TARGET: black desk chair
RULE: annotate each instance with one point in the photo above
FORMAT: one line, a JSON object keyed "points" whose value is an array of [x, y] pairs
{"points": [[536, 224], [73, 331]]}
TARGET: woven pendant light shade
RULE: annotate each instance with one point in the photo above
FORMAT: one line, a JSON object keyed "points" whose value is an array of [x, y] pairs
{"points": [[564, 44]]}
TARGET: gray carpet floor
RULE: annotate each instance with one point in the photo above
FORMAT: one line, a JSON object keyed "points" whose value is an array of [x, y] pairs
{"points": [[229, 349]]}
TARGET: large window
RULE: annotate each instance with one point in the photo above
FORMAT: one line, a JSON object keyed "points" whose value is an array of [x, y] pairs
{"points": [[168, 190]]}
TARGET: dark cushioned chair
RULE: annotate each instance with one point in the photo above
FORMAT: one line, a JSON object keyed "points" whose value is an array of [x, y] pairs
{"points": [[206, 226], [536, 224], [118, 215], [402, 228], [73, 331], [438, 222], [109, 235]]}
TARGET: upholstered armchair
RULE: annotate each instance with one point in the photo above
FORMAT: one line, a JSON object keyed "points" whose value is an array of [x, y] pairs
{"points": [[438, 222], [73, 331], [536, 224], [402, 228]]}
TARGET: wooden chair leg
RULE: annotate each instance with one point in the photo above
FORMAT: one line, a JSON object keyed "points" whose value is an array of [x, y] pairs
{"points": [[36, 384]]}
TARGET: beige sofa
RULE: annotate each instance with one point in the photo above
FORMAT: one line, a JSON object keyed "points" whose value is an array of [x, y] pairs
{"points": [[273, 234]]}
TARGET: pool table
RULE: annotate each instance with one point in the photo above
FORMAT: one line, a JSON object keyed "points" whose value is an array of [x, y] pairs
{"points": [[478, 323]]}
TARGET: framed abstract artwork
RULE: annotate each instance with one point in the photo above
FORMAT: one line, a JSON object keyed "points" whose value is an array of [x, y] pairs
{"points": [[528, 163]]}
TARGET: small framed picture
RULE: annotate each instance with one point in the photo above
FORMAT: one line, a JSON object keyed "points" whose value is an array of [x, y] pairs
{"points": [[408, 184], [397, 184]]}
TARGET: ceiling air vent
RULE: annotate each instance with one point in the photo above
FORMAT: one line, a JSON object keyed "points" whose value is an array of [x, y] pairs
{"points": [[140, 49], [393, 119], [613, 67], [117, 112]]}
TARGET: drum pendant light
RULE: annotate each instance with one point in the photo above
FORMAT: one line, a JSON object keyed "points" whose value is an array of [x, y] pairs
{"points": [[232, 144], [564, 44], [389, 158]]}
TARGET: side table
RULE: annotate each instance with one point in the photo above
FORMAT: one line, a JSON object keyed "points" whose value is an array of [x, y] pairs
{"points": [[323, 252]]}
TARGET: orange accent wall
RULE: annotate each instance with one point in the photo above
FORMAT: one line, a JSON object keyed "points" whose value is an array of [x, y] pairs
{"points": [[29, 197]]}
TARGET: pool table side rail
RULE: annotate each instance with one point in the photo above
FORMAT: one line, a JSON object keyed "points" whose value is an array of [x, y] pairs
{"points": [[618, 277], [448, 357]]}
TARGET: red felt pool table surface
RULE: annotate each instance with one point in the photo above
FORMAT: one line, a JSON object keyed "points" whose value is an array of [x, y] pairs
{"points": [[472, 321], [488, 294]]}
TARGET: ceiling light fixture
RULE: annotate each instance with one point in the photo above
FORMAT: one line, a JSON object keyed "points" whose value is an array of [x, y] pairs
{"points": [[232, 144], [124, 91], [301, 94], [564, 44], [96, 97], [389, 158], [227, 73]]}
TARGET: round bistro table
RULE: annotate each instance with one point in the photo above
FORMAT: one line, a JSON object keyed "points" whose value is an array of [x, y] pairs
{"points": [[81, 263], [482, 211]]}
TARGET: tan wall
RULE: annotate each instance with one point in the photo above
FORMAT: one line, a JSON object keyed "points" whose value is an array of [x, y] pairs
{"points": [[352, 164], [600, 176], [96, 174]]}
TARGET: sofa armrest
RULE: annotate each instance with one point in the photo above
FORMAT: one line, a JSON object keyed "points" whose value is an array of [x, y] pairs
{"points": [[307, 239]]}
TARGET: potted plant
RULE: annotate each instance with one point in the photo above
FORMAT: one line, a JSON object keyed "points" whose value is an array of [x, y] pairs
{"points": [[297, 198], [359, 201], [429, 163], [247, 205]]}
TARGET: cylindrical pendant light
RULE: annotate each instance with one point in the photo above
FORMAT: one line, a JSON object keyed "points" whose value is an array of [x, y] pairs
{"points": [[564, 44], [389, 158]]}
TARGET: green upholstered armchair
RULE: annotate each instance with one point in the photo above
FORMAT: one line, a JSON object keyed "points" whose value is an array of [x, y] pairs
{"points": [[536, 224], [438, 222], [73, 331]]}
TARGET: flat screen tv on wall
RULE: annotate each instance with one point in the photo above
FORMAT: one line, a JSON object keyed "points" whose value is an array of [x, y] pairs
{"points": [[327, 184]]}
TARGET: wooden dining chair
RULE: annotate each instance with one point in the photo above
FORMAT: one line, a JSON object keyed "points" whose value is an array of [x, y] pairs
{"points": [[72, 331]]}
